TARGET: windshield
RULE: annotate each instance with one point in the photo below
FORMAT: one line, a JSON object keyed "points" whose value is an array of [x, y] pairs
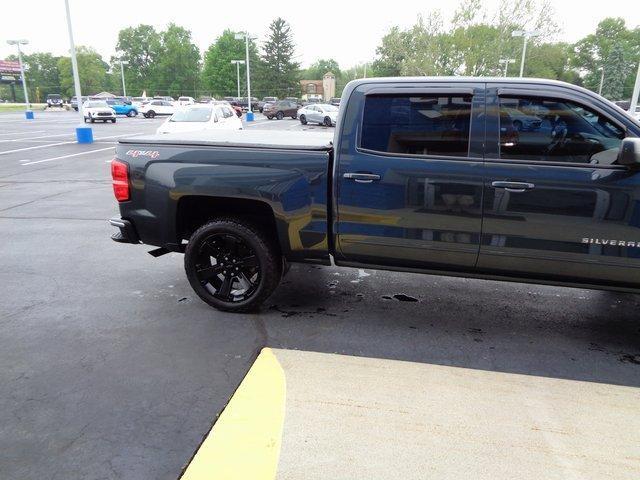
{"points": [[54, 97], [192, 115], [97, 104]]}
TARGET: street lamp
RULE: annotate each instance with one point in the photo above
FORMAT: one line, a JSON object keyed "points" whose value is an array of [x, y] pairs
{"points": [[237, 64], [526, 34], [506, 62], [124, 87], [240, 36], [84, 134], [17, 43]]}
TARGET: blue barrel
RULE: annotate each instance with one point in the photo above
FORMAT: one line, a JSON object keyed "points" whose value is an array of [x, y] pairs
{"points": [[249, 117], [84, 134], [29, 114]]}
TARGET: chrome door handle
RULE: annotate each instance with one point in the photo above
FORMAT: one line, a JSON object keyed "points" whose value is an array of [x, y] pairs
{"points": [[362, 177], [514, 187]]}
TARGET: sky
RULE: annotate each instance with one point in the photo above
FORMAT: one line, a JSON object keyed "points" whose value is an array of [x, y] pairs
{"points": [[347, 31]]}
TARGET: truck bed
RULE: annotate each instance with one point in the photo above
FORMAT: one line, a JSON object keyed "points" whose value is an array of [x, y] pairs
{"points": [[280, 177]]}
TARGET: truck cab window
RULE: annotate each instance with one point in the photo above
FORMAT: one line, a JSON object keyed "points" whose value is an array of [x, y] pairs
{"points": [[556, 131], [417, 125]]}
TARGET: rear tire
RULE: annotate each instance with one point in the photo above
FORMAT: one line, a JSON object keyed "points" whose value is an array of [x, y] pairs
{"points": [[113, 120], [231, 265], [132, 113], [327, 122]]}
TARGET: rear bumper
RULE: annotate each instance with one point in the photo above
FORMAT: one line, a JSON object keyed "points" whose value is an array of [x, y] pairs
{"points": [[126, 231]]}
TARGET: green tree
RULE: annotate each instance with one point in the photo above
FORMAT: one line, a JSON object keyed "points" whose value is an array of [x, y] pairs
{"points": [[593, 53], [320, 67], [391, 53], [616, 71], [473, 46], [141, 47], [42, 76], [178, 64], [279, 71], [92, 71], [219, 74]]}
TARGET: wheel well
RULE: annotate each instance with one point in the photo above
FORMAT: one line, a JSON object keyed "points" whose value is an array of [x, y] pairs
{"points": [[195, 211]]}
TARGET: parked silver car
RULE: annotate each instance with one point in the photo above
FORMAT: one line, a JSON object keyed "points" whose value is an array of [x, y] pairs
{"points": [[321, 113]]}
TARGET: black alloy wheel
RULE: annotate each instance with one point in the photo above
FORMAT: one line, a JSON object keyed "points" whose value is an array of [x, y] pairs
{"points": [[232, 266]]}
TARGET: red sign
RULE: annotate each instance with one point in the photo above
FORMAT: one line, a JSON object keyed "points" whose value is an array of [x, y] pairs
{"points": [[7, 66]]}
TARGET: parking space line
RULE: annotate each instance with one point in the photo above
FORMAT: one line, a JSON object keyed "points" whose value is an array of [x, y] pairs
{"points": [[35, 138], [245, 441], [6, 152], [27, 162], [23, 133]]}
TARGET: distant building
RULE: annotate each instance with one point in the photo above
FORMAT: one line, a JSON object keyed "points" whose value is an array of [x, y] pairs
{"points": [[324, 89]]}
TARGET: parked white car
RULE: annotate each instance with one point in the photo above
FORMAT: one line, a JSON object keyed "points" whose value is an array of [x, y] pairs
{"points": [[183, 101], [157, 107], [199, 117], [94, 110], [321, 113]]}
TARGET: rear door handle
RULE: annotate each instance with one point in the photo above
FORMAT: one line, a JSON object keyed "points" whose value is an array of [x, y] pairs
{"points": [[514, 187], [362, 177]]}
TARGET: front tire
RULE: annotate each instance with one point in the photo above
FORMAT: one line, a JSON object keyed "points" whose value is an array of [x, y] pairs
{"points": [[151, 114], [113, 120], [279, 115], [232, 265], [303, 119]]}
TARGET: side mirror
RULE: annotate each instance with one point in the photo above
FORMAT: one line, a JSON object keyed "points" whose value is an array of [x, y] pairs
{"points": [[629, 153]]}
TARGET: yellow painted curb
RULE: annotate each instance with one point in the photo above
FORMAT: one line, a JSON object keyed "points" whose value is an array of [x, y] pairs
{"points": [[245, 441]]}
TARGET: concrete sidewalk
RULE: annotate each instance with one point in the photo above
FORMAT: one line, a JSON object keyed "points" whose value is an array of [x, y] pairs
{"points": [[363, 418]]}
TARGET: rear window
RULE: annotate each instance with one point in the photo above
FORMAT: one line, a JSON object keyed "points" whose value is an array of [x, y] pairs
{"points": [[97, 104], [417, 125], [192, 115]]}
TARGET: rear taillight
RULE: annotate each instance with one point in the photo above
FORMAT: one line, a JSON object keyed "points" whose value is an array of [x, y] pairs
{"points": [[120, 176]]}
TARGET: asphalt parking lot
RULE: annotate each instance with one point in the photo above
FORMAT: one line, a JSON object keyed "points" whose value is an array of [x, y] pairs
{"points": [[111, 368]]}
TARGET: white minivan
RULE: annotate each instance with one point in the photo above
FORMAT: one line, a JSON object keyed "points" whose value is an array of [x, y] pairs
{"points": [[200, 117]]}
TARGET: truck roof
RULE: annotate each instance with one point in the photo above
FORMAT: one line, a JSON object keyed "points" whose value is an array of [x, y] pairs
{"points": [[241, 138]]}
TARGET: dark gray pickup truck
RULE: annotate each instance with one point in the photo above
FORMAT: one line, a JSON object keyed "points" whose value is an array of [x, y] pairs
{"points": [[513, 179]]}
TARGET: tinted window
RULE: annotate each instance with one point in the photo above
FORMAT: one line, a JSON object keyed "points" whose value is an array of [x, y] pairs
{"points": [[556, 131], [417, 125]]}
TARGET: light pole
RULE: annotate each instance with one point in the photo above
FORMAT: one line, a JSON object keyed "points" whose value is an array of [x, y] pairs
{"points": [[124, 87], [636, 93], [506, 62], [237, 64], [17, 43], [240, 36], [84, 134], [526, 34], [601, 81]]}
